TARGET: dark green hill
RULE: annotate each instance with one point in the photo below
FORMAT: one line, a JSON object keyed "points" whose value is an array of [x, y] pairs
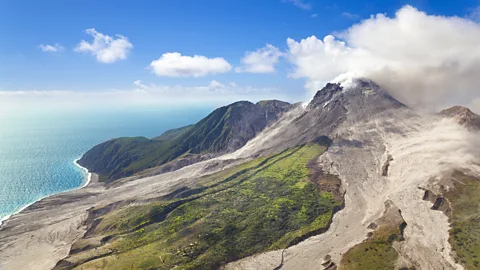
{"points": [[172, 133], [224, 130]]}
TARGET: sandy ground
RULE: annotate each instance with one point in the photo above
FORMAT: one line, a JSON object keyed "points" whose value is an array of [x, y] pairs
{"points": [[40, 235]]}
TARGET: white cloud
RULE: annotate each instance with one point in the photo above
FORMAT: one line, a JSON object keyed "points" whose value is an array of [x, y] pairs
{"points": [[260, 61], [213, 90], [51, 48], [436, 64], [350, 16], [215, 84], [300, 4], [105, 48], [139, 85], [174, 64], [314, 15], [211, 93]]}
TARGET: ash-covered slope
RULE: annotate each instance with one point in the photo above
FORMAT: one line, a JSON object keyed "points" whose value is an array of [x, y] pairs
{"points": [[385, 154], [224, 130], [329, 109]]}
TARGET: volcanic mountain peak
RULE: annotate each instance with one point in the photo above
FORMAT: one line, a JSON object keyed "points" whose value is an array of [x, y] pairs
{"points": [[457, 110], [357, 92], [325, 95], [463, 116]]}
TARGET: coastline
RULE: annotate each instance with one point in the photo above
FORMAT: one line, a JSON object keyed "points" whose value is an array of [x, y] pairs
{"points": [[87, 176], [42, 235], [7, 217]]}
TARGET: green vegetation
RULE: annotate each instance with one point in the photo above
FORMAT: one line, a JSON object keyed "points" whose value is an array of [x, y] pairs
{"points": [[267, 203], [172, 133], [226, 128], [464, 201], [377, 251]]}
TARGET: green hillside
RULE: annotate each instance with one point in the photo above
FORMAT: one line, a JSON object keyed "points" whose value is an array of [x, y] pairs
{"points": [[224, 130], [268, 203]]}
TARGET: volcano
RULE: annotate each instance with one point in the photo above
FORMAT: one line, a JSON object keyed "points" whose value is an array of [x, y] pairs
{"points": [[353, 179]]}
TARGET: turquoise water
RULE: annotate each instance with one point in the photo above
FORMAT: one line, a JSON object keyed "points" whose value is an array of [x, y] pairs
{"points": [[38, 149]]}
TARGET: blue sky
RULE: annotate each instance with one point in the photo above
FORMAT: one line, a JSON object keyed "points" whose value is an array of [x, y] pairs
{"points": [[225, 29]]}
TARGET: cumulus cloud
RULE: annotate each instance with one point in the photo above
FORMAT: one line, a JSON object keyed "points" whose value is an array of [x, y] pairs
{"points": [[421, 59], [300, 4], [174, 64], [260, 61], [51, 48], [105, 48]]}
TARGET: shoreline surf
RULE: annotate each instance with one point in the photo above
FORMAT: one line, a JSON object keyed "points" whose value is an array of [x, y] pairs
{"points": [[87, 177], [88, 174]]}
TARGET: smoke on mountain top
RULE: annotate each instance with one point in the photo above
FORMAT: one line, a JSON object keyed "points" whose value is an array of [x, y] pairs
{"points": [[423, 60]]}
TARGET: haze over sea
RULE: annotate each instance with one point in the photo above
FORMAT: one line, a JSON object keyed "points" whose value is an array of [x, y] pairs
{"points": [[38, 148]]}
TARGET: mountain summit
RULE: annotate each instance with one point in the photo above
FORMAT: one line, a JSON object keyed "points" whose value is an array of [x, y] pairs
{"points": [[360, 92], [463, 116], [332, 107]]}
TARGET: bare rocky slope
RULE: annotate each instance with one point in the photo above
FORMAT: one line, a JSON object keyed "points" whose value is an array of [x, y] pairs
{"points": [[401, 176]]}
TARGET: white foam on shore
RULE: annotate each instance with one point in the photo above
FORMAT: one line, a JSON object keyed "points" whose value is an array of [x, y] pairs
{"points": [[4, 218], [87, 175]]}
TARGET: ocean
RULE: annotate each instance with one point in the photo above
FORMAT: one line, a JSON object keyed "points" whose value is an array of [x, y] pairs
{"points": [[38, 148]]}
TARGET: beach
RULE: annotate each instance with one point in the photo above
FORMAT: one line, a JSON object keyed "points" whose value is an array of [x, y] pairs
{"points": [[88, 175], [44, 197], [88, 178], [38, 148], [42, 234]]}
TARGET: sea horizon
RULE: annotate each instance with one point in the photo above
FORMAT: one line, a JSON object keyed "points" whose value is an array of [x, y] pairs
{"points": [[54, 143]]}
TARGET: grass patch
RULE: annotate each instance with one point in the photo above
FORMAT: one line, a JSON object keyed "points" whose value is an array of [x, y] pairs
{"points": [[267, 203], [377, 252], [464, 201]]}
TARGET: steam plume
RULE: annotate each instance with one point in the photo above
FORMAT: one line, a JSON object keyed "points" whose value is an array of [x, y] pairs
{"points": [[423, 60]]}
